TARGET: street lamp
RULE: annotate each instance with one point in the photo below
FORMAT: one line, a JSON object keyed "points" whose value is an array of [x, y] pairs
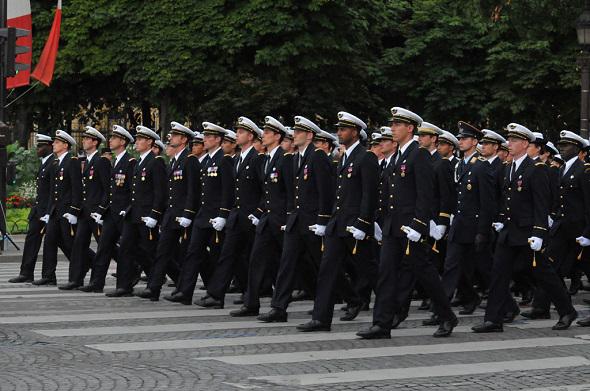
{"points": [[583, 31]]}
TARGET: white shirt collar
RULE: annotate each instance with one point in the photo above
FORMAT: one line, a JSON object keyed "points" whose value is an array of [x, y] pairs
{"points": [[402, 149], [212, 153], [61, 158], [351, 148], [202, 158], [143, 155], [491, 160], [119, 156], [245, 152], [178, 154], [272, 153], [466, 158], [89, 157], [569, 163], [302, 152], [518, 161], [433, 151], [44, 159]]}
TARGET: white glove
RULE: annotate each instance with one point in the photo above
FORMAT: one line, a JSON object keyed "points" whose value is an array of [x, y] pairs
{"points": [[184, 222], [535, 243], [549, 221], [253, 219], [44, 219], [437, 231], [122, 213], [583, 241], [149, 222], [97, 217], [378, 233], [218, 223], [283, 227], [498, 226], [319, 230], [73, 220], [356, 233], [411, 234]]}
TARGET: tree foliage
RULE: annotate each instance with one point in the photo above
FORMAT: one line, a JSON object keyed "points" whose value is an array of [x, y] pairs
{"points": [[486, 61]]}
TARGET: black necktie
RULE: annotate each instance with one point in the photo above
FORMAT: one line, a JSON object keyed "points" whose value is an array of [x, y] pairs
{"points": [[239, 163], [383, 164], [513, 171], [266, 161], [206, 160]]}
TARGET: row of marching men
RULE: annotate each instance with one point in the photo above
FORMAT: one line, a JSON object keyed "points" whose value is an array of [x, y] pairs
{"points": [[400, 215]]}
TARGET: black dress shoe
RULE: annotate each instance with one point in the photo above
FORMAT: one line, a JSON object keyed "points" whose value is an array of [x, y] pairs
{"points": [[446, 328], [536, 314], [120, 292], [351, 313], [314, 325], [510, 316], [374, 332], [300, 295], [209, 302], [425, 305], [575, 286], [45, 281], [457, 301], [565, 321], [69, 286], [433, 321], [584, 322], [90, 289], [244, 311], [469, 308], [21, 278], [179, 297], [147, 293], [274, 315], [233, 289], [488, 327]]}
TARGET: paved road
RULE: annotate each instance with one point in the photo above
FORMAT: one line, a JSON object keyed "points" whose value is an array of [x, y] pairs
{"points": [[53, 340]]}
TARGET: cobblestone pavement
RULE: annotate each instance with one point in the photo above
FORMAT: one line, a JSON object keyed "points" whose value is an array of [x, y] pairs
{"points": [[54, 340]]}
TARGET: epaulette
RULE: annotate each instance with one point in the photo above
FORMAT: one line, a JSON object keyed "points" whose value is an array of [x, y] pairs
{"points": [[227, 154], [473, 160], [261, 153], [481, 159], [288, 153], [131, 158], [319, 149], [422, 147], [74, 157], [159, 157], [191, 155], [587, 164], [505, 162], [540, 164]]}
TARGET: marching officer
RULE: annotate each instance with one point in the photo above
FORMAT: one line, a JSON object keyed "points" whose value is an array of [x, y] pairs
{"points": [[34, 236], [348, 228], [183, 172], [239, 230], [405, 252], [269, 217], [96, 176], [110, 218], [521, 233], [471, 228], [63, 206], [212, 207], [308, 212], [139, 237], [571, 226]]}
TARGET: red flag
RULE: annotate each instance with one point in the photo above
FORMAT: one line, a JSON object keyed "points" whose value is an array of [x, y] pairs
{"points": [[44, 69], [19, 16]]}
